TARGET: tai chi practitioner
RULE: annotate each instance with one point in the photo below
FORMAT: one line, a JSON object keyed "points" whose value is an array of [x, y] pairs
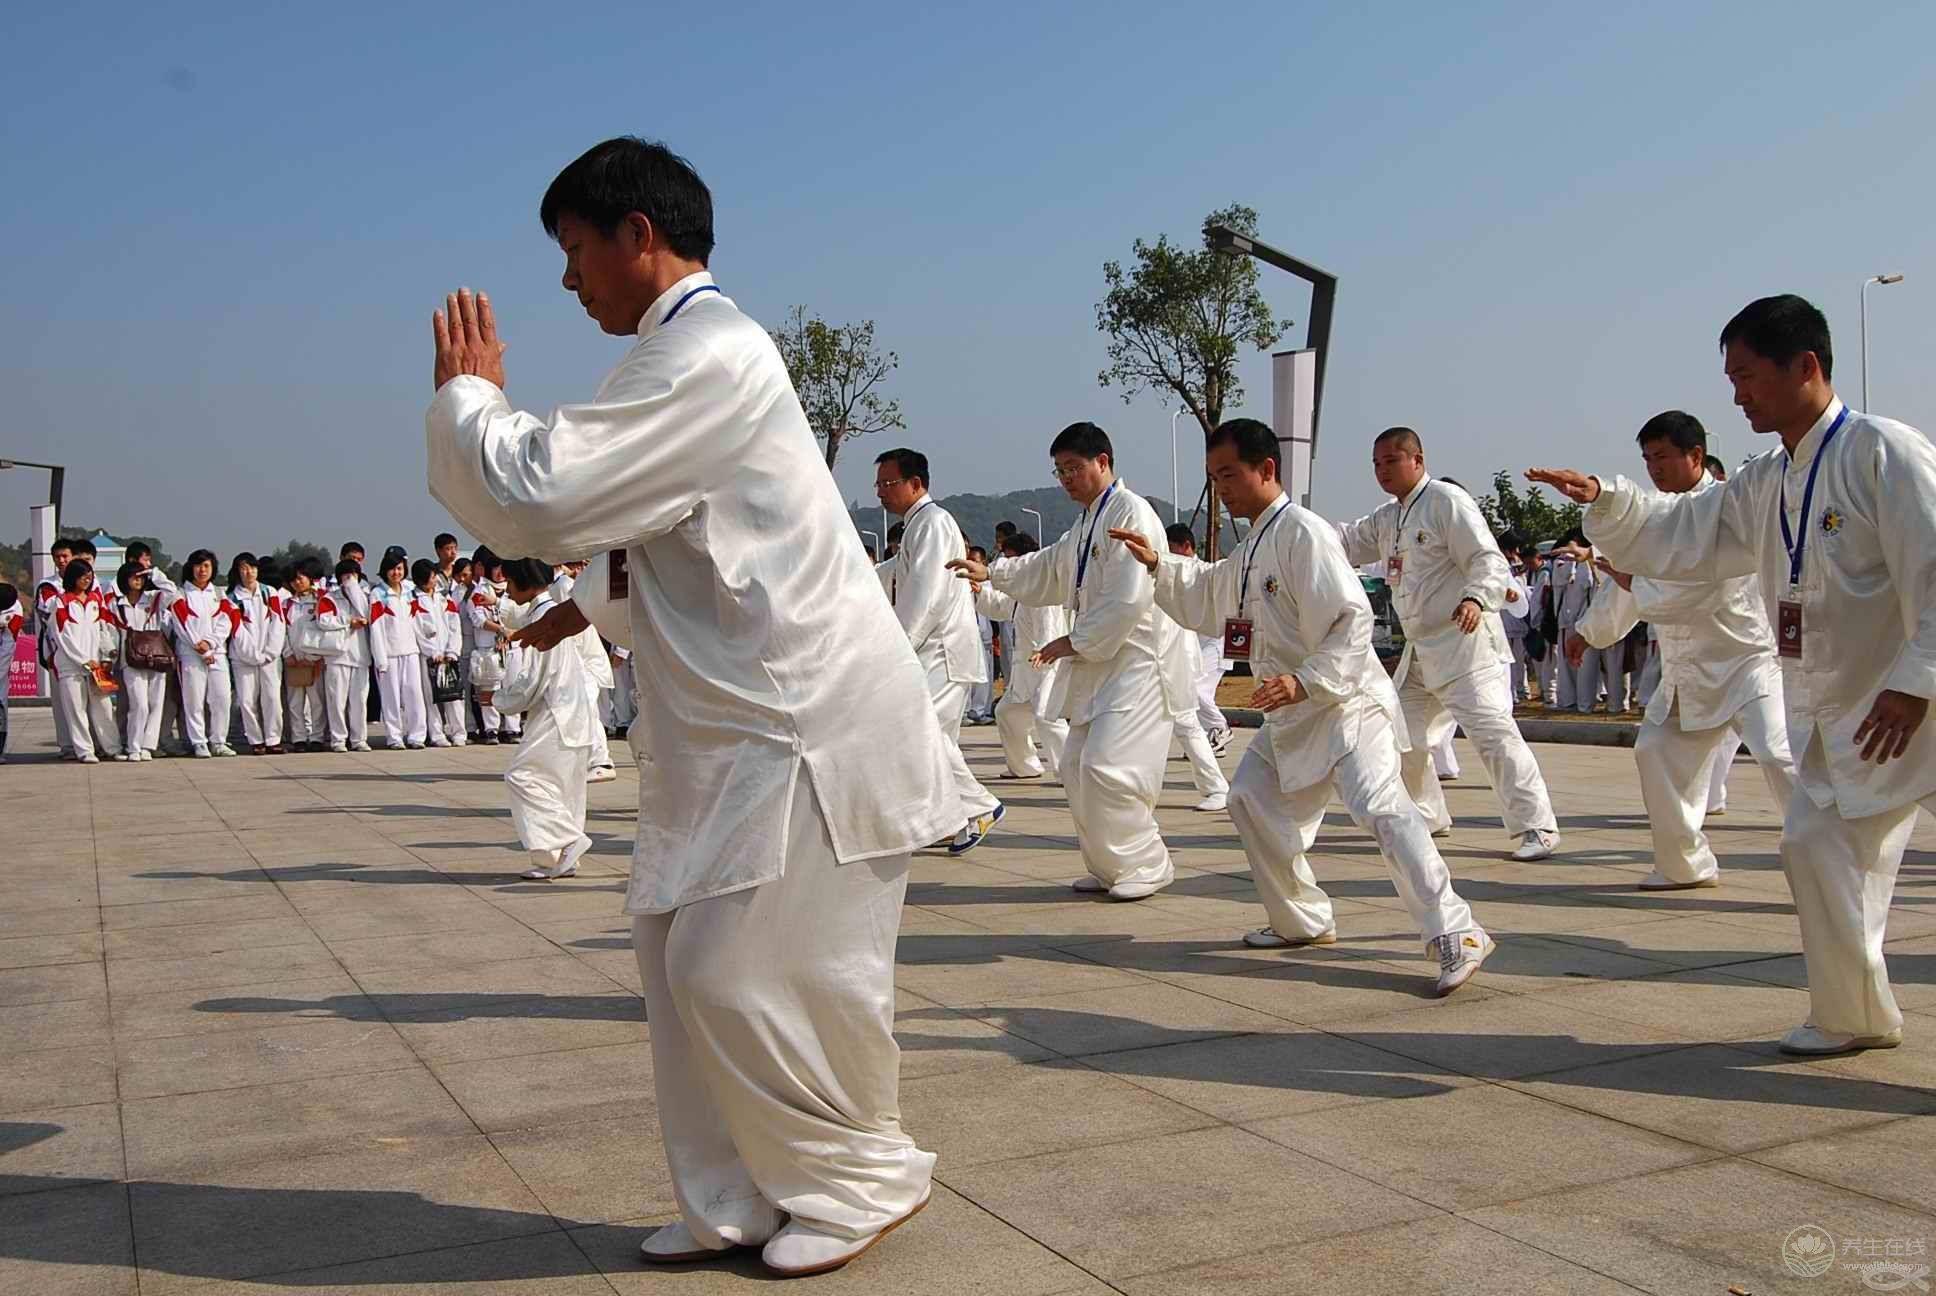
{"points": [[548, 774], [938, 613], [1448, 582], [255, 655], [1022, 717], [1212, 787], [397, 655], [597, 673], [775, 832], [1123, 689], [1210, 716], [203, 622], [84, 649], [136, 607], [1718, 670], [1840, 527], [346, 679], [1291, 603]]}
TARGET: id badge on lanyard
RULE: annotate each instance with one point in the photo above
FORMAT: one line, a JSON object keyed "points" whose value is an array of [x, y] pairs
{"points": [[1236, 638], [1239, 632], [1788, 612], [1788, 625]]}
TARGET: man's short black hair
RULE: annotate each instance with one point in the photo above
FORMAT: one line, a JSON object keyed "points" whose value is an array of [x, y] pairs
{"points": [[978, 553], [1018, 544], [1253, 441], [1676, 427], [626, 175], [63, 542], [311, 567], [350, 547], [421, 572], [86, 547], [349, 567], [527, 573], [1781, 328], [1178, 533], [1715, 468], [9, 596], [137, 550], [443, 538], [1003, 529], [911, 464], [1084, 439], [1407, 439], [1512, 541]]}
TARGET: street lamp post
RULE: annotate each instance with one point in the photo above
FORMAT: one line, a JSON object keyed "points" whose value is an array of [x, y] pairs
{"points": [[57, 478], [877, 542], [1040, 538], [1324, 296], [1176, 484], [1884, 279]]}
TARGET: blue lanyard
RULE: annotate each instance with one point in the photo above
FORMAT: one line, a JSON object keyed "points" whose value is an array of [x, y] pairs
{"points": [[1082, 558], [1406, 512], [1788, 538], [1250, 559], [702, 288]]}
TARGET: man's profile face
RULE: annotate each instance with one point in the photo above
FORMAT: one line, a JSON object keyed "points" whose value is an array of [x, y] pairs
{"points": [[896, 491], [1769, 394], [606, 272], [1397, 467], [1244, 487], [1671, 469]]}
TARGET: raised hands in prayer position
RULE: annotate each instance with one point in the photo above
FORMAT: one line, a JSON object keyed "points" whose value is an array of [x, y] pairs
{"points": [[467, 341]]}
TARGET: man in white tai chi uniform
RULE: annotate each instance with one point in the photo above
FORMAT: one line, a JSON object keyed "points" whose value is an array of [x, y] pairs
{"points": [[1122, 690], [1840, 526], [1717, 670], [1448, 582], [938, 613], [1291, 603], [774, 831], [1022, 716], [1210, 716]]}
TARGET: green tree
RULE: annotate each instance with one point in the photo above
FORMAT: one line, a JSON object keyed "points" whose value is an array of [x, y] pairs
{"points": [[293, 551], [1178, 319], [837, 373], [1531, 513]]}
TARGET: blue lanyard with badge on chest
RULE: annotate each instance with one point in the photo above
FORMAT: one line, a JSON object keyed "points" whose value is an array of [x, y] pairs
{"points": [[1088, 541], [1395, 565], [1238, 631], [1788, 613]]}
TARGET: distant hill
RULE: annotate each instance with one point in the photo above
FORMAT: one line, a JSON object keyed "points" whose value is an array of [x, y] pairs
{"points": [[978, 514]]}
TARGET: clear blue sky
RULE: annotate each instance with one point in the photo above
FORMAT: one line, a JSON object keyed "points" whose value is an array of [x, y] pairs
{"points": [[225, 230]]}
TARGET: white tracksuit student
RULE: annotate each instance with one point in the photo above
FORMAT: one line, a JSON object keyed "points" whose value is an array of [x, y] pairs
{"points": [[84, 641], [13, 624], [489, 657], [255, 655], [440, 638], [304, 641], [203, 620], [397, 655], [137, 607], [346, 678], [598, 672], [46, 597], [547, 776]]}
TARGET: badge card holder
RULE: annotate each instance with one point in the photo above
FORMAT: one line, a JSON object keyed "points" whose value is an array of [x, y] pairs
{"points": [[1236, 638], [1788, 626]]}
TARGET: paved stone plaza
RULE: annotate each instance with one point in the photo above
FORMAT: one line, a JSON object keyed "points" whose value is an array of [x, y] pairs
{"points": [[293, 1023]]}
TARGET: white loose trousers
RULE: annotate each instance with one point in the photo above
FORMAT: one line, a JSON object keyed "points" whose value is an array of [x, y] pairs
{"points": [[1717, 784], [1112, 770], [546, 780], [1480, 704], [346, 700], [306, 712], [401, 686], [1021, 728], [1278, 828], [147, 693], [258, 691], [1674, 764], [205, 699], [1204, 770], [773, 1053], [90, 714], [1842, 873], [950, 702]]}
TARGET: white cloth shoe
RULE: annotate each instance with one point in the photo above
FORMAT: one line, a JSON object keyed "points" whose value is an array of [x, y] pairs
{"points": [[800, 1249], [601, 774], [1460, 954], [977, 830], [1089, 884], [674, 1244], [1536, 845], [1809, 1040], [1215, 801], [1656, 881], [1265, 938], [1135, 890], [90, 759]]}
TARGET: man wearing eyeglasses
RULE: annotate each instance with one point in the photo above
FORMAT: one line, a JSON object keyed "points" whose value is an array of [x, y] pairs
{"points": [[1124, 688], [938, 613]]}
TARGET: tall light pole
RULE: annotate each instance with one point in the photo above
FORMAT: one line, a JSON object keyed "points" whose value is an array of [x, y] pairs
{"points": [[877, 543], [1872, 279], [57, 478], [1176, 485], [1040, 539]]}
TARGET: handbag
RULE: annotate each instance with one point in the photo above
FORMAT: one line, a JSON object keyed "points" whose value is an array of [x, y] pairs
{"points": [[301, 672], [446, 684], [148, 650]]}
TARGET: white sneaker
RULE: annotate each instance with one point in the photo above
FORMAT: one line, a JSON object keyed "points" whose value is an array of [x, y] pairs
{"points": [[1656, 881], [222, 749], [1265, 938], [674, 1244], [359, 747], [123, 756], [601, 774], [440, 742], [90, 759], [1089, 884], [201, 753], [1536, 845], [1809, 1040], [1460, 954], [800, 1249], [1215, 801]]}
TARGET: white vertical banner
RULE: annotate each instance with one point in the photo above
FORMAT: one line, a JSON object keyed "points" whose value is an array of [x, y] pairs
{"points": [[1294, 379]]}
